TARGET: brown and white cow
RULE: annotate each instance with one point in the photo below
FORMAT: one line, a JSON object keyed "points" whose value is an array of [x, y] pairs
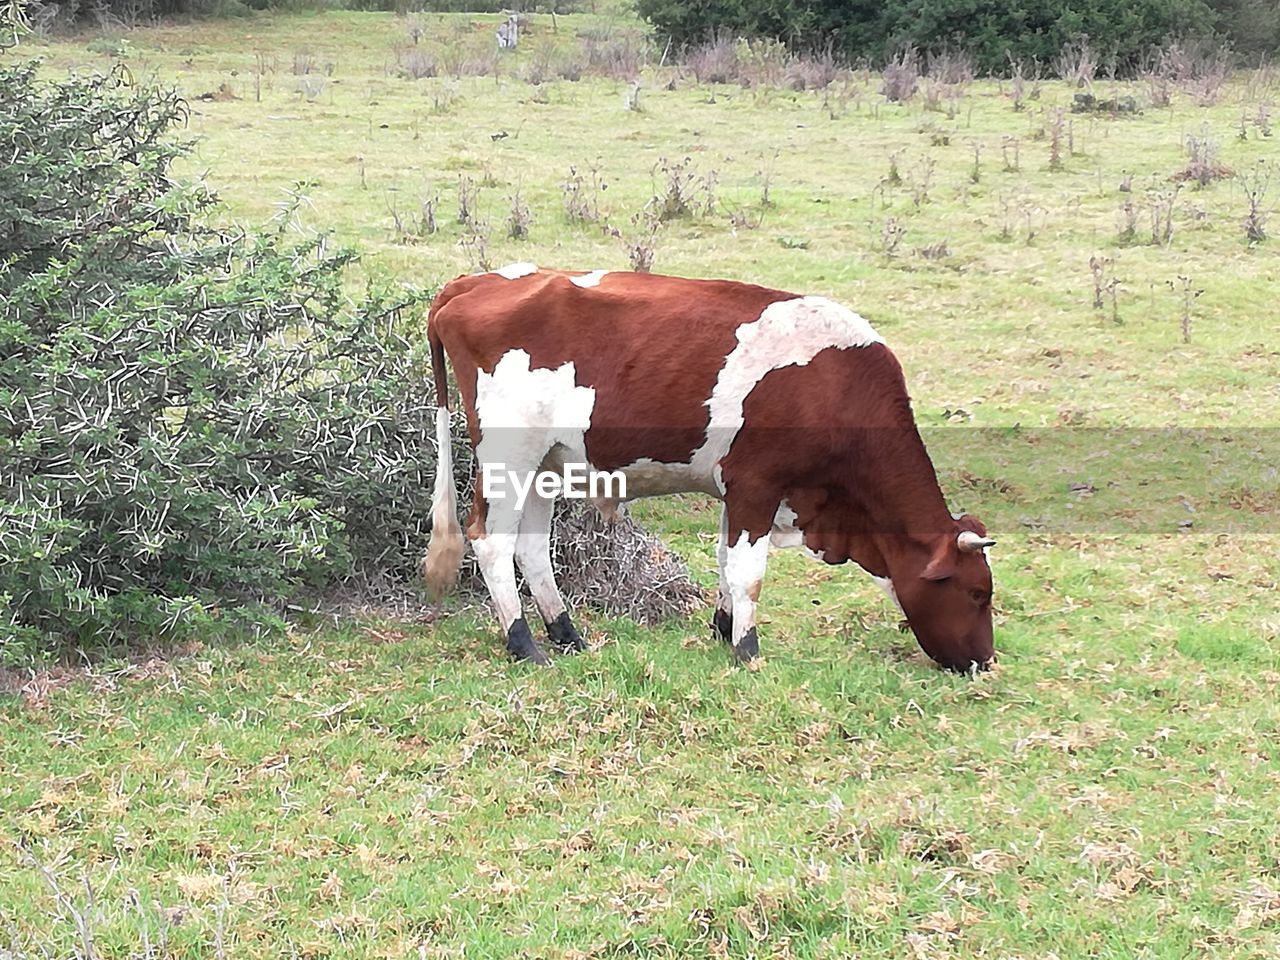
{"points": [[789, 409]]}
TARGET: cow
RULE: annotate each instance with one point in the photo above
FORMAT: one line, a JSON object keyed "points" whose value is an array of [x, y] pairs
{"points": [[789, 409]]}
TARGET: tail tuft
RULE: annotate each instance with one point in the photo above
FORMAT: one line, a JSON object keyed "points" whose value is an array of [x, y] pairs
{"points": [[444, 553]]}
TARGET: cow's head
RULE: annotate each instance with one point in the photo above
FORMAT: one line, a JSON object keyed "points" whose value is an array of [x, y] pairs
{"points": [[945, 593]]}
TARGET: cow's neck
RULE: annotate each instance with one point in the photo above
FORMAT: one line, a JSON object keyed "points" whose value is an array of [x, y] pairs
{"points": [[883, 510], [910, 514]]}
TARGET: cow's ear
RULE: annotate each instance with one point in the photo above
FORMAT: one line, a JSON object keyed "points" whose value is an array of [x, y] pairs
{"points": [[943, 563]]}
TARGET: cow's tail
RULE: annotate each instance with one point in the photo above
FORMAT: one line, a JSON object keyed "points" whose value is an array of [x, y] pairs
{"points": [[444, 552]]}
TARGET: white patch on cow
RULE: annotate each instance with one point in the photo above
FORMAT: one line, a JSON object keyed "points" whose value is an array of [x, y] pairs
{"points": [[591, 279], [495, 553], [788, 333], [514, 271], [885, 584], [785, 534], [525, 414], [744, 567]]}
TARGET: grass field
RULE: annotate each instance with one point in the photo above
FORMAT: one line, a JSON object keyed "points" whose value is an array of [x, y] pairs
{"points": [[389, 789]]}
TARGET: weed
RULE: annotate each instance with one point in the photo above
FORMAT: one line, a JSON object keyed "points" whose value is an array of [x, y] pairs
{"points": [[641, 245], [1161, 204], [674, 188], [415, 63], [935, 251], [765, 173], [715, 61], [1189, 296], [443, 97], [891, 234], [921, 180], [415, 29], [1033, 222], [468, 202], [1256, 185], [742, 219], [710, 180], [307, 62], [1158, 77], [1056, 126], [816, 72], [1010, 148], [901, 76], [894, 177], [582, 195], [1262, 119], [1203, 166], [1128, 222], [519, 218], [263, 64], [475, 246], [1262, 81], [951, 65], [1099, 269], [618, 55], [1017, 84], [1077, 64]]}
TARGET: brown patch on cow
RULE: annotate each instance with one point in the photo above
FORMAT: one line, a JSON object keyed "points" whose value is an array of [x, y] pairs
{"points": [[652, 347], [839, 436], [479, 515], [754, 590]]}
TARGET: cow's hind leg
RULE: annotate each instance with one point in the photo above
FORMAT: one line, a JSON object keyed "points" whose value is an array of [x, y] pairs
{"points": [[494, 531], [533, 553], [722, 619]]}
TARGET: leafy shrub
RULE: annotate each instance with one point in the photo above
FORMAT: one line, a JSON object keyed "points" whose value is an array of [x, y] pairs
{"points": [[992, 31], [190, 419]]}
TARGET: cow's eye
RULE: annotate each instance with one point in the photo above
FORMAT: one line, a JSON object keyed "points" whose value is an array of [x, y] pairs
{"points": [[980, 597]]}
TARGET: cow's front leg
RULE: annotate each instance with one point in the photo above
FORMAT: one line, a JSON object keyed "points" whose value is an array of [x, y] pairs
{"points": [[745, 564], [722, 619], [493, 530], [533, 553]]}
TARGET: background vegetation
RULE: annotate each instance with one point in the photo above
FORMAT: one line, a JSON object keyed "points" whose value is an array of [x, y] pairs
{"points": [[1122, 32], [996, 33]]}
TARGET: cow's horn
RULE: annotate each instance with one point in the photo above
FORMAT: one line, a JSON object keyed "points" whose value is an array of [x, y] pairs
{"points": [[970, 542]]}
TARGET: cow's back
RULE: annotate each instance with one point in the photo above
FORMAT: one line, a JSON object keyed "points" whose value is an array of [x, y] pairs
{"points": [[651, 346]]}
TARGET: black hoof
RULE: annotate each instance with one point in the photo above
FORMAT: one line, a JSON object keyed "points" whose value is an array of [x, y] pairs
{"points": [[564, 635], [748, 647], [722, 625], [522, 646]]}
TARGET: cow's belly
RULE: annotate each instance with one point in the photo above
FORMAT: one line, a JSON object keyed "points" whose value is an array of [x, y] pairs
{"points": [[649, 478]]}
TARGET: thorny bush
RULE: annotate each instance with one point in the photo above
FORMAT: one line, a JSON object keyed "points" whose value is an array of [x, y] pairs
{"points": [[191, 419]]}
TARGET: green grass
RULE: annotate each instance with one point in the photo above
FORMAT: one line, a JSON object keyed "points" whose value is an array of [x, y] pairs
{"points": [[398, 789]]}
